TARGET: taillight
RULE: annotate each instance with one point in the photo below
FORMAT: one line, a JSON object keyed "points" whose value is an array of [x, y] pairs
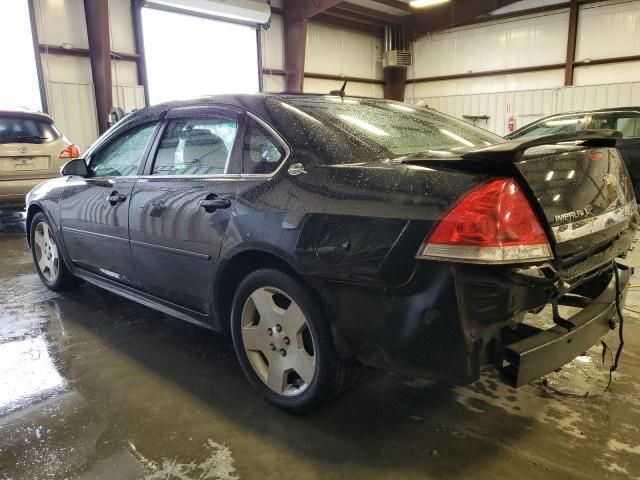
{"points": [[72, 151], [492, 223]]}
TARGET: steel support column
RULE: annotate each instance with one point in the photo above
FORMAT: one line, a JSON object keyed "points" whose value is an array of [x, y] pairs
{"points": [[97, 17], [395, 80], [569, 68]]}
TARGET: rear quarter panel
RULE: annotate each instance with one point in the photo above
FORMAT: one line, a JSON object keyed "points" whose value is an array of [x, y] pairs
{"points": [[360, 223]]}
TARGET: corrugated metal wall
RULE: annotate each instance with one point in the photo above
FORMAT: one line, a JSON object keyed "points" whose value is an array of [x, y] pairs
{"points": [[527, 106], [338, 51], [68, 79], [73, 107], [605, 29]]}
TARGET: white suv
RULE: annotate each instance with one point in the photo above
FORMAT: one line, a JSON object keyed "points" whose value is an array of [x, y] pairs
{"points": [[31, 151]]}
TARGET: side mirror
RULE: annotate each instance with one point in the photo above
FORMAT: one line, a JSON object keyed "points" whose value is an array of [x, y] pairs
{"points": [[76, 167]]}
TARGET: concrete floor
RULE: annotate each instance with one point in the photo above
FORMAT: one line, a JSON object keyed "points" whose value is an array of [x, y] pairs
{"points": [[93, 386]]}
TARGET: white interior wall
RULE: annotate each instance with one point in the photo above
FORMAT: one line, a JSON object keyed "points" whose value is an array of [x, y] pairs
{"points": [[329, 50], [339, 51], [605, 29], [527, 106], [525, 42]]}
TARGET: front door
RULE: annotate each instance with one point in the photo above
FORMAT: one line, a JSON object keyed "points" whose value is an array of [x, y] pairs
{"points": [[181, 209], [95, 210]]}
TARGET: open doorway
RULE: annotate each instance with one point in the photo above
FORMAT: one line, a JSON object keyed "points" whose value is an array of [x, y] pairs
{"points": [[20, 86], [190, 56]]}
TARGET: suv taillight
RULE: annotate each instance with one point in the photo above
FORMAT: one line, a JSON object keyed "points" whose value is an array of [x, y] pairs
{"points": [[72, 151], [492, 223]]}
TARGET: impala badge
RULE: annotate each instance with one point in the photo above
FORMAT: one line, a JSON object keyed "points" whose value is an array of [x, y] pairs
{"points": [[574, 215]]}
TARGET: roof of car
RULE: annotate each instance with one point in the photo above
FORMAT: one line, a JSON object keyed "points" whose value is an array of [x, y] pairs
{"points": [[597, 110], [242, 99], [25, 113]]}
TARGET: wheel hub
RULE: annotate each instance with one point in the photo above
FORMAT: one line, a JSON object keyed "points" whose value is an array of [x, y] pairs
{"points": [[278, 341]]}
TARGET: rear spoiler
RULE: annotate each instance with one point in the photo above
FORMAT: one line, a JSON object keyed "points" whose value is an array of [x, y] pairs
{"points": [[513, 150]]}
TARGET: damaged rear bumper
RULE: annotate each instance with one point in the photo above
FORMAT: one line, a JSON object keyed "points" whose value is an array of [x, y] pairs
{"points": [[527, 353]]}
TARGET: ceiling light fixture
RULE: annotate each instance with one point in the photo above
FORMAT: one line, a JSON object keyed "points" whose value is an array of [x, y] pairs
{"points": [[426, 3]]}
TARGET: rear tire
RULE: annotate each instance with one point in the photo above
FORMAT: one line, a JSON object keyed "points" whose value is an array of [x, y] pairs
{"points": [[284, 343], [47, 257]]}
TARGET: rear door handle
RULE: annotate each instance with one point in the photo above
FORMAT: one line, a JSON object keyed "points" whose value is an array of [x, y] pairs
{"points": [[213, 203], [116, 198]]}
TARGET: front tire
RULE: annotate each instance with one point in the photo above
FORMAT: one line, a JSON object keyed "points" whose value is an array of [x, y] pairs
{"points": [[47, 257], [283, 341]]}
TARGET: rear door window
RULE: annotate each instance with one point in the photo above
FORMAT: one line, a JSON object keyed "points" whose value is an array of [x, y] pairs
{"points": [[261, 153], [26, 130], [628, 124], [200, 146]]}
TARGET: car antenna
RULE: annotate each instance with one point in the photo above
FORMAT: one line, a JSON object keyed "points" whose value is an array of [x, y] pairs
{"points": [[340, 93]]}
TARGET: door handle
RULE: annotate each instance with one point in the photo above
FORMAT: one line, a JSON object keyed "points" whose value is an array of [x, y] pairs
{"points": [[213, 203], [116, 198]]}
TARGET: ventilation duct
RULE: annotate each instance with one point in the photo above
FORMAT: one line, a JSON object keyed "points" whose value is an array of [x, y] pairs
{"points": [[397, 53]]}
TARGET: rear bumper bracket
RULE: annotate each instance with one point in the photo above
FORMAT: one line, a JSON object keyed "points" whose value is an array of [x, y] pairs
{"points": [[534, 352]]}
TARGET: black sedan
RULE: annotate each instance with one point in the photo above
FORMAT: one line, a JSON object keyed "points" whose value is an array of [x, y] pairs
{"points": [[324, 233]]}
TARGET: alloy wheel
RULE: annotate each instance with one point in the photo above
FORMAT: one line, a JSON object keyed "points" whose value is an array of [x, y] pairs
{"points": [[278, 341], [46, 252]]}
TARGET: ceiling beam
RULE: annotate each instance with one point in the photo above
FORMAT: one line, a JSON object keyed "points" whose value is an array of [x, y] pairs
{"points": [[370, 12], [396, 4], [337, 21], [305, 9], [355, 17]]}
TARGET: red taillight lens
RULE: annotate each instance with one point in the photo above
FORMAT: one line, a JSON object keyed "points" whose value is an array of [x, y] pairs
{"points": [[72, 151], [493, 223]]}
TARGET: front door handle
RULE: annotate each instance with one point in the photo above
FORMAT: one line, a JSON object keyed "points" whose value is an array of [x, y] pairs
{"points": [[213, 203], [116, 198]]}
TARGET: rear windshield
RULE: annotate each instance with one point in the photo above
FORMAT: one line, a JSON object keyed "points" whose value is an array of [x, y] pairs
{"points": [[400, 129], [26, 130]]}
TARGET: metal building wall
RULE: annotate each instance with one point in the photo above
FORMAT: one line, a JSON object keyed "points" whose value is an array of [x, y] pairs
{"points": [[606, 29], [338, 51], [527, 106], [68, 79]]}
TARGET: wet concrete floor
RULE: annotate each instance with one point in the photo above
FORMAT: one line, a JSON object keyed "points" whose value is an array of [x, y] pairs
{"points": [[93, 386]]}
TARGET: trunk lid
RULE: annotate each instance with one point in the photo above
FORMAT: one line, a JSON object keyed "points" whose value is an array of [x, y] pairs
{"points": [[584, 194], [578, 183], [28, 160]]}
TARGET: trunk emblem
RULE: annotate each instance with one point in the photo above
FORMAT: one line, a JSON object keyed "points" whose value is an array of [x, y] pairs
{"points": [[574, 215], [22, 149]]}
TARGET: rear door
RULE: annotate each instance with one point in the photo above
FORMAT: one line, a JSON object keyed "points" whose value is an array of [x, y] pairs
{"points": [[94, 211], [181, 207]]}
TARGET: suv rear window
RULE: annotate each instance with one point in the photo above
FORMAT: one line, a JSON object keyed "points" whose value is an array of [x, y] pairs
{"points": [[26, 130], [399, 128]]}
